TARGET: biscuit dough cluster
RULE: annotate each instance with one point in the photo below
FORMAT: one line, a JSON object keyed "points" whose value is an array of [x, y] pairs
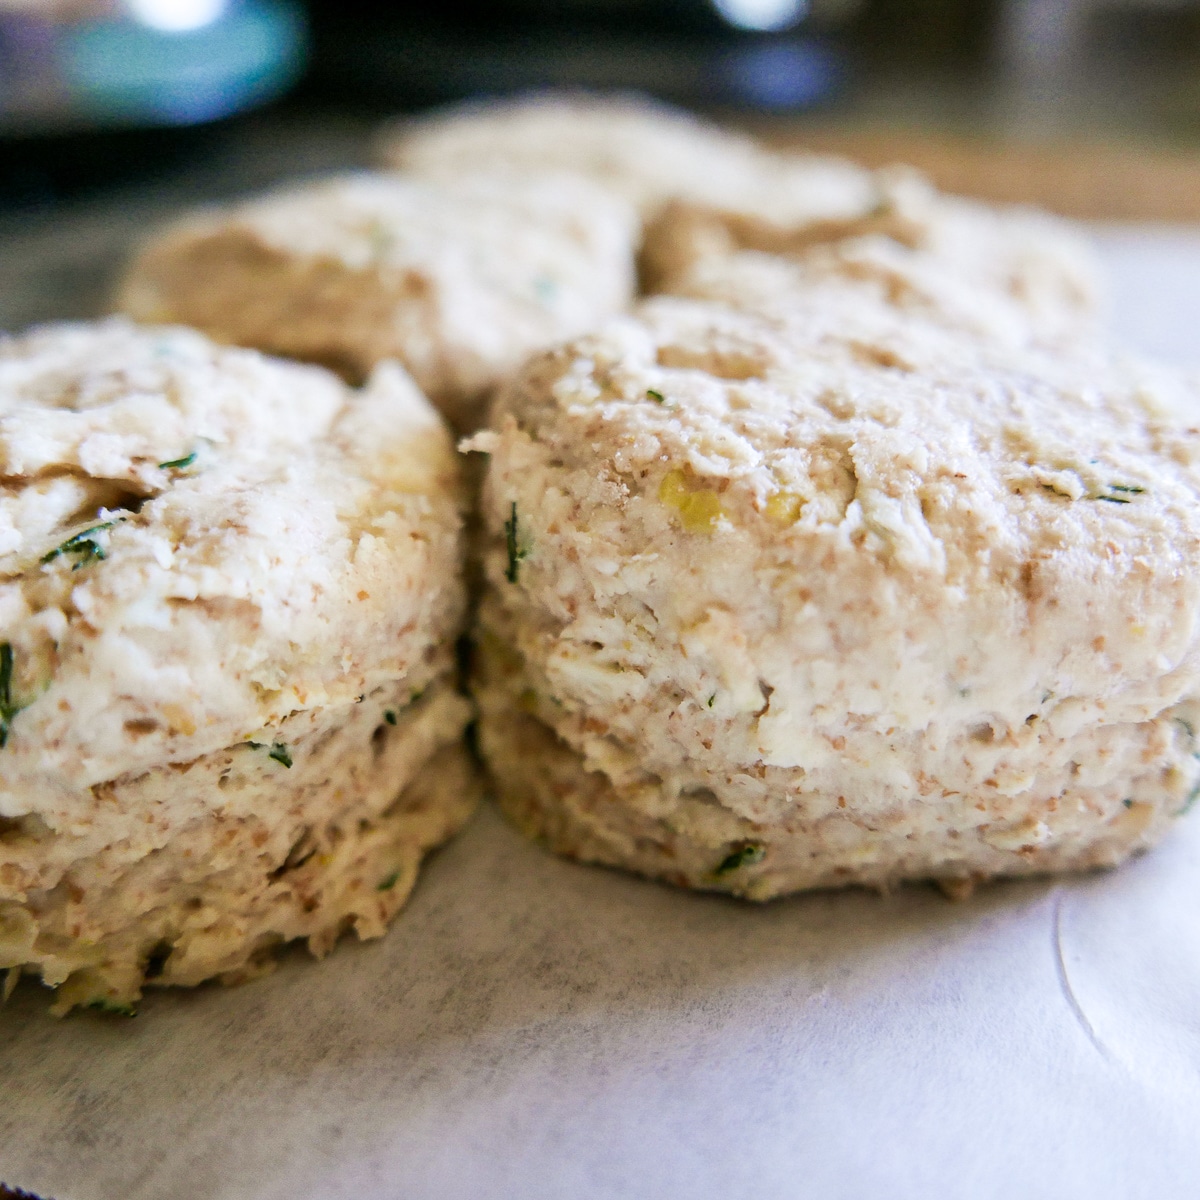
{"points": [[853, 556], [229, 597], [705, 193]]}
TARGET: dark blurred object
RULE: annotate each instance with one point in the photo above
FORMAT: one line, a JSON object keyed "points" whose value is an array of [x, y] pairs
{"points": [[35, 171], [1091, 179], [928, 32], [762, 54], [95, 90], [77, 65], [1122, 64]]}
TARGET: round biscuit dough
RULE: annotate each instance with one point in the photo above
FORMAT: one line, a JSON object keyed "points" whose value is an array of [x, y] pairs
{"points": [[838, 596], [646, 152], [459, 280], [229, 593], [882, 272], [1039, 268]]}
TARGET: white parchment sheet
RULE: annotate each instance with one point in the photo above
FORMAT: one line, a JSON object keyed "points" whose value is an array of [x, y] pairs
{"points": [[532, 1028]]}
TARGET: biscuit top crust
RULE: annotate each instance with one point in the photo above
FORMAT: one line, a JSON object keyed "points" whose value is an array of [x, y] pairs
{"points": [[886, 272], [196, 542], [705, 191], [842, 518], [648, 153], [459, 280], [1037, 265], [114, 402], [382, 222]]}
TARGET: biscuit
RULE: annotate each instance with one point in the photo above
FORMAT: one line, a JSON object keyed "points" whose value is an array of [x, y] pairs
{"points": [[705, 192], [910, 239], [231, 590], [459, 281], [646, 152], [880, 272], [838, 597]]}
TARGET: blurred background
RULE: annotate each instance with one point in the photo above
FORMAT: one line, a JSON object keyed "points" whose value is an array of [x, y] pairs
{"points": [[1034, 68], [114, 111]]}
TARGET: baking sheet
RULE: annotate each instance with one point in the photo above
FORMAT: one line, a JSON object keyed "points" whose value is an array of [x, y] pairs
{"points": [[533, 1028]]}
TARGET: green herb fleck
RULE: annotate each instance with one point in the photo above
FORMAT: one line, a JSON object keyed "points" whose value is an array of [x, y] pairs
{"points": [[515, 552], [711, 699], [1127, 802], [112, 1007], [389, 716], [656, 396], [178, 464], [1187, 728], [387, 884], [279, 751], [1119, 493], [744, 856], [85, 544], [8, 708], [1187, 804]]}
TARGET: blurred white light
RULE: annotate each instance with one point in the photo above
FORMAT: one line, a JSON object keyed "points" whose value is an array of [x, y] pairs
{"points": [[175, 16], [761, 14]]}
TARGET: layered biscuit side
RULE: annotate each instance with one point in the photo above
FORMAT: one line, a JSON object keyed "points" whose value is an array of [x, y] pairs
{"points": [[231, 589]]}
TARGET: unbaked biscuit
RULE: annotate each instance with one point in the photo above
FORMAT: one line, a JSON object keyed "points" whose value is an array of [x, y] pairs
{"points": [[705, 192], [876, 270], [229, 593], [458, 280], [1038, 267], [646, 152], [839, 596]]}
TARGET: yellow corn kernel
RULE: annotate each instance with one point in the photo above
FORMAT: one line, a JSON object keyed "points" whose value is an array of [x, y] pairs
{"points": [[698, 510], [180, 719], [784, 508], [673, 490]]}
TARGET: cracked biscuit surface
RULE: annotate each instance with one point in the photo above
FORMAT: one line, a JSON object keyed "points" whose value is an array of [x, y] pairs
{"points": [[458, 280], [967, 261], [229, 595], [839, 596], [883, 272]]}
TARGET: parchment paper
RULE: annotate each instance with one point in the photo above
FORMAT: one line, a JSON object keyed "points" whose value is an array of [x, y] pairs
{"points": [[533, 1028]]}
